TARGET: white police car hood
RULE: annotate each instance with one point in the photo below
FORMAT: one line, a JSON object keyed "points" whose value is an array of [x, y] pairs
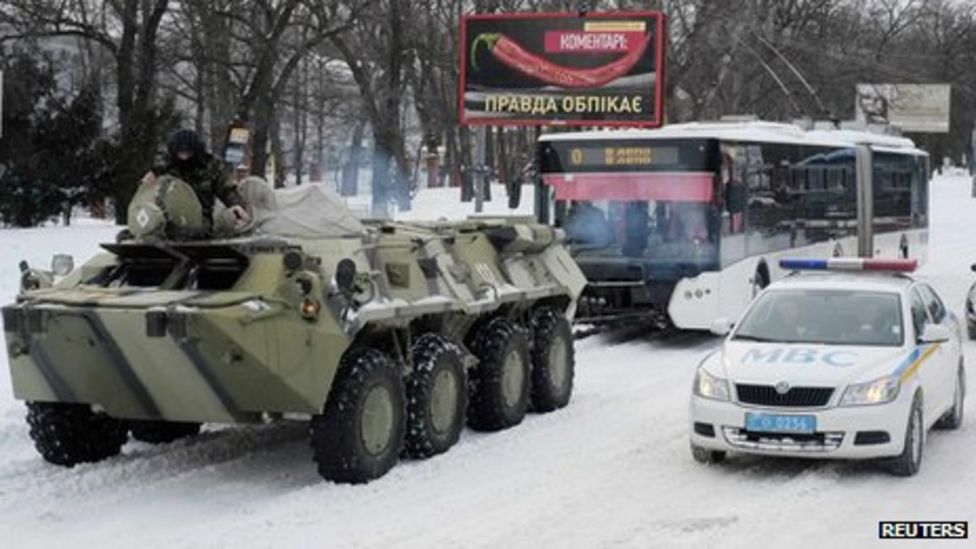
{"points": [[804, 364]]}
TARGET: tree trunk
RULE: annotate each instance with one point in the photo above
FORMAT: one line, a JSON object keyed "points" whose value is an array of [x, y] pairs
{"points": [[349, 186], [298, 122], [465, 164], [381, 179], [504, 164], [451, 160]]}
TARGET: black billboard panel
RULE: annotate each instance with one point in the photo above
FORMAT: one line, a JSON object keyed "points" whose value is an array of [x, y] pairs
{"points": [[601, 69]]}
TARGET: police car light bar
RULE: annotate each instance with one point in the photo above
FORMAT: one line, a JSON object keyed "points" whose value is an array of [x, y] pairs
{"points": [[849, 264]]}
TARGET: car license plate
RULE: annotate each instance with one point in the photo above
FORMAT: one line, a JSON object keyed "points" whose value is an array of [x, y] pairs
{"points": [[776, 423]]}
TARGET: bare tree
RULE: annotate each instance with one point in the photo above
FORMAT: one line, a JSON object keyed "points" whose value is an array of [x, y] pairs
{"points": [[128, 29], [377, 51]]}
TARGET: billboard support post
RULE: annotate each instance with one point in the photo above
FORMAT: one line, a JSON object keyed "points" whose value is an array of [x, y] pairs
{"points": [[480, 170]]}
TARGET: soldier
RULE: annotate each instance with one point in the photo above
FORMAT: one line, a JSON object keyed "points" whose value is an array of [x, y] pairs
{"points": [[187, 158]]}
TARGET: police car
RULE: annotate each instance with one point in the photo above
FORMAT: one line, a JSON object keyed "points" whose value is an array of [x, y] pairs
{"points": [[844, 358]]}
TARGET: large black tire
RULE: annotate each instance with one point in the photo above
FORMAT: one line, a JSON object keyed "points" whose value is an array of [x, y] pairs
{"points": [[553, 361], [160, 432], [952, 419], [359, 435], [437, 397], [909, 461], [499, 385], [68, 434]]}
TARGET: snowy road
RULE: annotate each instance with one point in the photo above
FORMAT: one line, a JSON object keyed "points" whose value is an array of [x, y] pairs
{"points": [[611, 470]]}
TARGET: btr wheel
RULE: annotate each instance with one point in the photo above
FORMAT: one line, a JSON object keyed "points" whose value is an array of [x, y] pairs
{"points": [[437, 396], [552, 360], [499, 385], [359, 435], [708, 457], [953, 418], [159, 432], [909, 461], [68, 434]]}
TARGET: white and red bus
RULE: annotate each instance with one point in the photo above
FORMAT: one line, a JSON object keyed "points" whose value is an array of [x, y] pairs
{"points": [[685, 223]]}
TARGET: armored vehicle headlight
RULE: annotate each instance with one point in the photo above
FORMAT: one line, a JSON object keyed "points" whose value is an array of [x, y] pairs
{"points": [[310, 308], [709, 386], [878, 391]]}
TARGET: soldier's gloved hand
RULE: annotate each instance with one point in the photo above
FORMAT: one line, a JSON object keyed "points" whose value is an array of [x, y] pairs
{"points": [[148, 178], [241, 215]]}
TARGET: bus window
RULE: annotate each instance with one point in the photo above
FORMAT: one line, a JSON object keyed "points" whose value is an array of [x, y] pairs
{"points": [[920, 193], [587, 224], [894, 177], [770, 211]]}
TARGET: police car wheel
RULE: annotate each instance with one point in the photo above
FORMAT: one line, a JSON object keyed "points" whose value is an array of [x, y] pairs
{"points": [[953, 418], [909, 461], [708, 457], [68, 434]]}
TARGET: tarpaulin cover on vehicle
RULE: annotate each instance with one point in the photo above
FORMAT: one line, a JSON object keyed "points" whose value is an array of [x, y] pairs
{"points": [[306, 211]]}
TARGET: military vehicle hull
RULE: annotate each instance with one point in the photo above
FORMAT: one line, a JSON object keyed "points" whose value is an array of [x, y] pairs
{"points": [[387, 336]]}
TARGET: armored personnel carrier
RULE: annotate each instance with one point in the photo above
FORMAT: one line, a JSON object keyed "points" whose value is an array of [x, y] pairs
{"points": [[387, 337]]}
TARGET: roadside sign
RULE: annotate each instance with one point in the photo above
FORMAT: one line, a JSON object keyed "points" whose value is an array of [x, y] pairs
{"points": [[601, 69], [915, 108]]}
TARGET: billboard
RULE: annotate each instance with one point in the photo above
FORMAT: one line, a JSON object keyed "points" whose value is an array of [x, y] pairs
{"points": [[915, 108], [601, 69]]}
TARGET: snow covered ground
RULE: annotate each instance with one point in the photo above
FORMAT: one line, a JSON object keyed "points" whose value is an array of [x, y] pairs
{"points": [[611, 470]]}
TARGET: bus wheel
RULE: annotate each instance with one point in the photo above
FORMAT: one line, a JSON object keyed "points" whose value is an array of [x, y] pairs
{"points": [[760, 280]]}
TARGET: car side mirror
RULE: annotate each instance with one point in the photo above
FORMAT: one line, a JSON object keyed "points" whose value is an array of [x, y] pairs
{"points": [[721, 326], [935, 333]]}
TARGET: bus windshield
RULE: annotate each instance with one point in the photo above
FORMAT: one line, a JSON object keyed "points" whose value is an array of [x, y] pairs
{"points": [[657, 229], [650, 200]]}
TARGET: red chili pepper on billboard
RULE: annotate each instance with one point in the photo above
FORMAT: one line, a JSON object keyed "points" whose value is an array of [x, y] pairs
{"points": [[515, 56]]}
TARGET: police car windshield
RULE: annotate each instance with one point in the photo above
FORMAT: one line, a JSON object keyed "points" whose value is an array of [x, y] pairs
{"points": [[832, 317]]}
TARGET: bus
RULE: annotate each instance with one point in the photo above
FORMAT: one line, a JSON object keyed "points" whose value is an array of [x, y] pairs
{"points": [[685, 224]]}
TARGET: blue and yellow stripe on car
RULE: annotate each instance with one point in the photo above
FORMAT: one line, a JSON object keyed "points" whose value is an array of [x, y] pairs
{"points": [[914, 361]]}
